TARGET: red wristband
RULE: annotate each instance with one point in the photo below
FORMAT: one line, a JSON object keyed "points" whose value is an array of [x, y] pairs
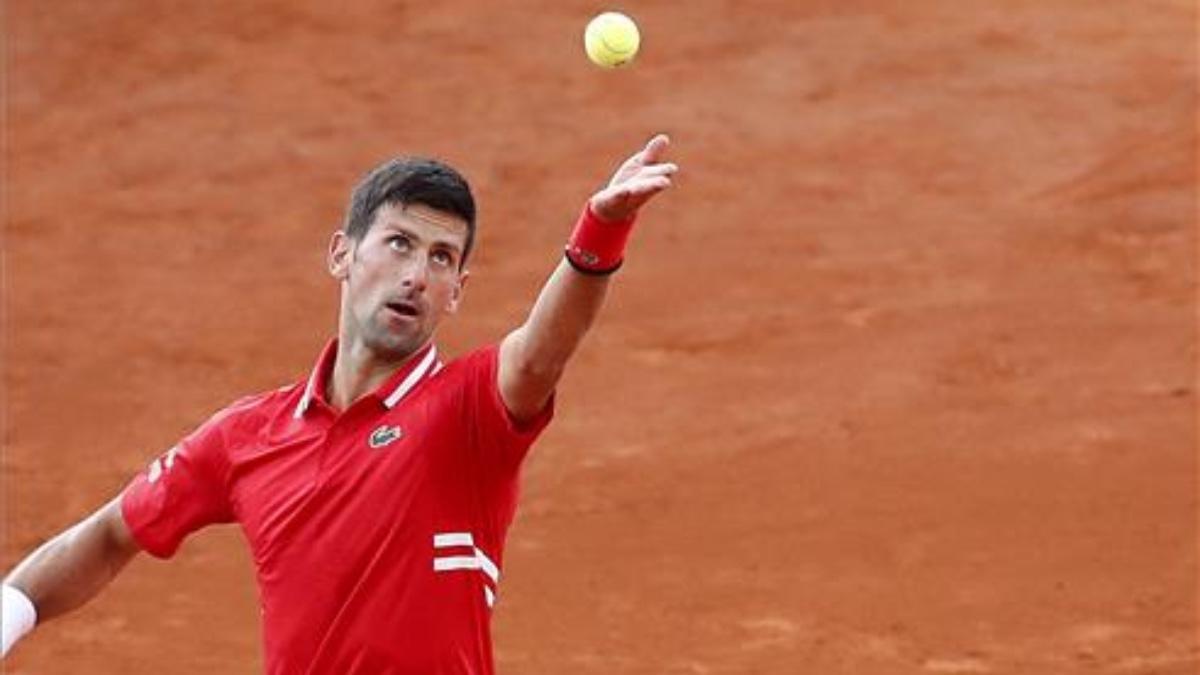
{"points": [[598, 246]]}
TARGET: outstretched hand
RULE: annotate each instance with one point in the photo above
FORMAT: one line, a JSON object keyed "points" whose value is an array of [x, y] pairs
{"points": [[636, 181]]}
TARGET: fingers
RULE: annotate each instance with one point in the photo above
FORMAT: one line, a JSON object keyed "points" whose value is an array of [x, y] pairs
{"points": [[665, 169], [651, 154], [639, 178], [619, 202], [655, 148], [652, 177]]}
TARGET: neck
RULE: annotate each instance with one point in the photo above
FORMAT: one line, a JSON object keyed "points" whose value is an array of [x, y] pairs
{"points": [[358, 370]]}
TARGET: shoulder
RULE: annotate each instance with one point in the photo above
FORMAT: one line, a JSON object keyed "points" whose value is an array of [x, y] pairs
{"points": [[458, 379], [256, 409], [477, 362]]}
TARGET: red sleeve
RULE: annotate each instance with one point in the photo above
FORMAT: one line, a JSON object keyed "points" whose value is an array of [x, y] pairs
{"points": [[495, 432], [181, 491]]}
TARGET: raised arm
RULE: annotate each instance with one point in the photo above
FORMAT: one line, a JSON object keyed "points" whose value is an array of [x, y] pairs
{"points": [[533, 356], [66, 572]]}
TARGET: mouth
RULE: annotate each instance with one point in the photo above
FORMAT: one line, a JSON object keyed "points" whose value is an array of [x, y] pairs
{"points": [[403, 309]]}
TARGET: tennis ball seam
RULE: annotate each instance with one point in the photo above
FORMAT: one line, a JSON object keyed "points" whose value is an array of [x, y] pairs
{"points": [[608, 45]]}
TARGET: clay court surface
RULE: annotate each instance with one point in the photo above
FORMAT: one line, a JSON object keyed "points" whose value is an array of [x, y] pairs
{"points": [[901, 378]]}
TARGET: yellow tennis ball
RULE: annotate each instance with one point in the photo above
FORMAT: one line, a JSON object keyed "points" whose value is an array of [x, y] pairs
{"points": [[611, 39]]}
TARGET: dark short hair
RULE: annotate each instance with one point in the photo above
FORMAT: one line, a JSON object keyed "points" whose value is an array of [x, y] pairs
{"points": [[404, 181]]}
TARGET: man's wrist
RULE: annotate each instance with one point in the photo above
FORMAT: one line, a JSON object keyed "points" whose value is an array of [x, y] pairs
{"points": [[597, 246], [19, 616]]}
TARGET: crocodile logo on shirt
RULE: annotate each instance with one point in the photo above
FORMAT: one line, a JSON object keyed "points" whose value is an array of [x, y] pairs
{"points": [[384, 436]]}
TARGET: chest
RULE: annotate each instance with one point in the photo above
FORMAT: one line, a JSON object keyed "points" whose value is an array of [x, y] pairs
{"points": [[357, 479]]}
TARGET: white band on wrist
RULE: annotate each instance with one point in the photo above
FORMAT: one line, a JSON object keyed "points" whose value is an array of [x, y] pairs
{"points": [[19, 616]]}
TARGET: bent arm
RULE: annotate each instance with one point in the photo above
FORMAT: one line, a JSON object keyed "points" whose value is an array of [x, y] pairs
{"points": [[533, 357], [70, 569]]}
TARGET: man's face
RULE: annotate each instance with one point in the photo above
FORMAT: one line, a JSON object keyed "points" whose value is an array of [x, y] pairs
{"points": [[401, 279]]}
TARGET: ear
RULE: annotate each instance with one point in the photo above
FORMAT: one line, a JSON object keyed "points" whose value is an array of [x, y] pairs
{"points": [[457, 294], [341, 250]]}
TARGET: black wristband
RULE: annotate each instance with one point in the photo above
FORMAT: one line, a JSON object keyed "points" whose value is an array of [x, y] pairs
{"points": [[591, 272]]}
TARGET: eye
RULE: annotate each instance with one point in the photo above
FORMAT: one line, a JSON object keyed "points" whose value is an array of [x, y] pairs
{"points": [[443, 257], [399, 242]]}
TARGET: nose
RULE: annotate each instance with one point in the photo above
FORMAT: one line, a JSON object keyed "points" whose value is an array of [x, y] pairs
{"points": [[416, 274]]}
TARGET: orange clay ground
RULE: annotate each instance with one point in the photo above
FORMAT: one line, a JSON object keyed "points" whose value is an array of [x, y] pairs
{"points": [[899, 379]]}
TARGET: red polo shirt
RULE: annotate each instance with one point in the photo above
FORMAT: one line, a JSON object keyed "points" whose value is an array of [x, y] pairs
{"points": [[377, 532]]}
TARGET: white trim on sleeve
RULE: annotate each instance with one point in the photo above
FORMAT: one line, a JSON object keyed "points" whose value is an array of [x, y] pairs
{"points": [[444, 561], [448, 539]]}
